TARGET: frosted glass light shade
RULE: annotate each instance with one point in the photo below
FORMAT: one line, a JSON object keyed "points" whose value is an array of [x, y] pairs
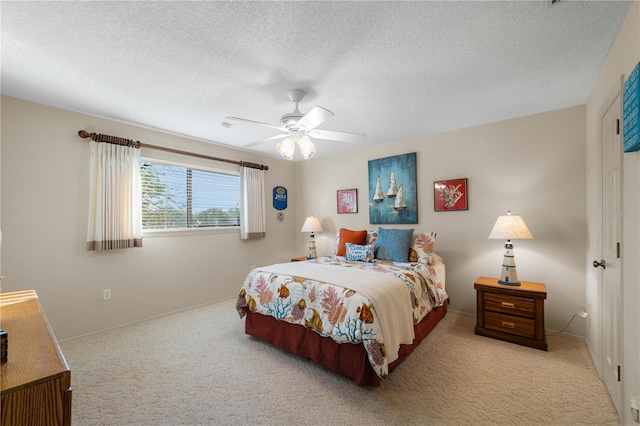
{"points": [[286, 148], [307, 149]]}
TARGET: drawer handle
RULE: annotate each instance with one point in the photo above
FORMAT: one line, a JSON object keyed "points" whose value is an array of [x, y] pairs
{"points": [[508, 305], [506, 324]]}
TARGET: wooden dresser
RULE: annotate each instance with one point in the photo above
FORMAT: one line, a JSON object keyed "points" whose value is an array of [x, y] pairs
{"points": [[35, 382], [511, 313]]}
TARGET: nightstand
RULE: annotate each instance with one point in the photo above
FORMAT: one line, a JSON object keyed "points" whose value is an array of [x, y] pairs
{"points": [[300, 259], [511, 313]]}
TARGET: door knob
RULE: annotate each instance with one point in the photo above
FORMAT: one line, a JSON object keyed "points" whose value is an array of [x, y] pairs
{"points": [[601, 263]]}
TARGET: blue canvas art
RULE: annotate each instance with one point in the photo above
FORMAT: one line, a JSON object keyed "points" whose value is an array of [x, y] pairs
{"points": [[393, 196], [630, 111]]}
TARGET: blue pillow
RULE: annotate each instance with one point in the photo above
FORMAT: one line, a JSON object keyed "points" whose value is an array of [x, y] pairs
{"points": [[393, 244], [359, 253]]}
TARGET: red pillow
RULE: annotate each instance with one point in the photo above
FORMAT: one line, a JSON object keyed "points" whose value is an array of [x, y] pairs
{"points": [[348, 236]]}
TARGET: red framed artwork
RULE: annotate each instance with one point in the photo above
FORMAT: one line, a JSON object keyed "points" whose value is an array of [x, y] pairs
{"points": [[347, 201], [450, 195]]}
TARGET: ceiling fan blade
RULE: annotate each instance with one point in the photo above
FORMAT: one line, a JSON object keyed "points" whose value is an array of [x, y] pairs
{"points": [[244, 120], [338, 136], [269, 139], [314, 118]]}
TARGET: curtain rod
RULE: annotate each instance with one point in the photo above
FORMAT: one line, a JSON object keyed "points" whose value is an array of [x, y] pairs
{"points": [[98, 137]]}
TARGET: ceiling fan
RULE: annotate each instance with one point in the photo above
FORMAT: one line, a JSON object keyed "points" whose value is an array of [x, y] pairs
{"points": [[298, 128]]}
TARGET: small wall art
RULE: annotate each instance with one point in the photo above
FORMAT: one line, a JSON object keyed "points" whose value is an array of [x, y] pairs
{"points": [[347, 201], [450, 195], [279, 198]]}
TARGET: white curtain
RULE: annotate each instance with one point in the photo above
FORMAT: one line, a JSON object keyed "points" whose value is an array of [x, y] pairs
{"points": [[252, 211], [115, 219]]}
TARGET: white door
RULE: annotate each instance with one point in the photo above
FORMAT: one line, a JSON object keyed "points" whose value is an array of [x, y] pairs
{"points": [[611, 332]]}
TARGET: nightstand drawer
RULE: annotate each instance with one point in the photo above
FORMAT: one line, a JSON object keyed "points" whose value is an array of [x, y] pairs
{"points": [[511, 313], [510, 324], [510, 305]]}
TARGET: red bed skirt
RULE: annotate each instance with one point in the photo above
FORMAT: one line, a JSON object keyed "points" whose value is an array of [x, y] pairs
{"points": [[348, 359]]}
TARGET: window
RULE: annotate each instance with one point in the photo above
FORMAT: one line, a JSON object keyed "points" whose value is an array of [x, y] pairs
{"points": [[178, 197]]}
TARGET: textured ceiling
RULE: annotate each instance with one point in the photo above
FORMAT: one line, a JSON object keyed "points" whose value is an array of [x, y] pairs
{"points": [[390, 70]]}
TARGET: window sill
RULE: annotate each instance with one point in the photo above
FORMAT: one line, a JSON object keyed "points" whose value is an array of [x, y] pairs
{"points": [[183, 232]]}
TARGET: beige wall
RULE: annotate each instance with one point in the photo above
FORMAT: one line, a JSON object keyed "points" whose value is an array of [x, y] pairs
{"points": [[624, 55], [44, 220], [533, 166]]}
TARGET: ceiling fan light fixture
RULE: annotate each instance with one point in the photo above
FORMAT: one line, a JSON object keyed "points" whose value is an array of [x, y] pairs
{"points": [[295, 127], [307, 148], [286, 148]]}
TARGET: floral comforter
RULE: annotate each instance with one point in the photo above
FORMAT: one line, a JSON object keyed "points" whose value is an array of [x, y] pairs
{"points": [[337, 311]]}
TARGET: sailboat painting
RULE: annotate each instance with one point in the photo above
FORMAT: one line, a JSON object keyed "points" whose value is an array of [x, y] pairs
{"points": [[393, 195]]}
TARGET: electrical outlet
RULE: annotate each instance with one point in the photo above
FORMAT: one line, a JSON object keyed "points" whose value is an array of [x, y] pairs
{"points": [[582, 312], [106, 294]]}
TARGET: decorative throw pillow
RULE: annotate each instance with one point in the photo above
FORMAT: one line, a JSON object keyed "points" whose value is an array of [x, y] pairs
{"points": [[421, 250], [335, 244], [359, 253], [348, 236], [393, 244], [372, 235]]}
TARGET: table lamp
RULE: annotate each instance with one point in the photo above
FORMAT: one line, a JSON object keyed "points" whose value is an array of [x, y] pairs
{"points": [[311, 224], [509, 227]]}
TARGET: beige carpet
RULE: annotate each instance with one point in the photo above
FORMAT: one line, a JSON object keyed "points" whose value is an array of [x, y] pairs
{"points": [[198, 367]]}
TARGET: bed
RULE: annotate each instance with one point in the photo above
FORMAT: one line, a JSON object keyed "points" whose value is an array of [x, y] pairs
{"points": [[358, 316]]}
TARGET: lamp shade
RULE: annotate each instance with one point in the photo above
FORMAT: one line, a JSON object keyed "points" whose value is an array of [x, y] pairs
{"points": [[510, 227], [311, 224]]}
